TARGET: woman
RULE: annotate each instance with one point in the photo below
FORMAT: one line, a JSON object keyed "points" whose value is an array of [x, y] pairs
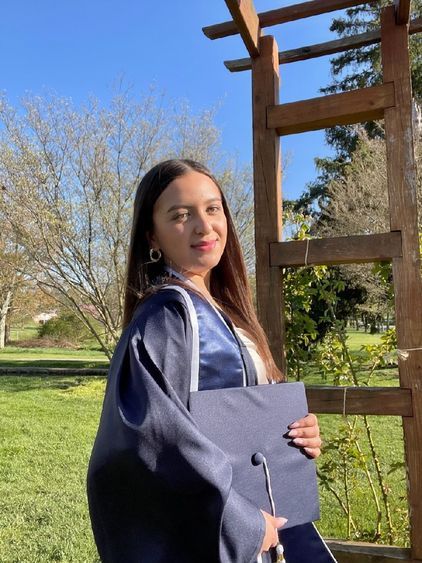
{"points": [[158, 490]]}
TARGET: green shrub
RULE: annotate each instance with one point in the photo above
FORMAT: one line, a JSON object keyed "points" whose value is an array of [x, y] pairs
{"points": [[65, 327]]}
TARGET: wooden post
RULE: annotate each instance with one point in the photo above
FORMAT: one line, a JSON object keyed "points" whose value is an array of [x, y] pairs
{"points": [[267, 189], [401, 180]]}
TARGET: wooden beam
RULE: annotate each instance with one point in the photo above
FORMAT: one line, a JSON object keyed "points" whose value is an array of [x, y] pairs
{"points": [[323, 49], [391, 401], [312, 51], [356, 106], [283, 15], [247, 23], [402, 11], [402, 184], [267, 196], [356, 249], [362, 552]]}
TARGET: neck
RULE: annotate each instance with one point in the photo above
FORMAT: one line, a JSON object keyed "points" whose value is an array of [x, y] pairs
{"points": [[202, 283]]}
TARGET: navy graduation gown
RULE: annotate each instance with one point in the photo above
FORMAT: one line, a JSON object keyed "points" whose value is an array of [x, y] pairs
{"points": [[158, 490]]}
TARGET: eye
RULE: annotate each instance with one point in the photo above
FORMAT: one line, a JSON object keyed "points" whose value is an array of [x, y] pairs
{"points": [[213, 209], [181, 216]]}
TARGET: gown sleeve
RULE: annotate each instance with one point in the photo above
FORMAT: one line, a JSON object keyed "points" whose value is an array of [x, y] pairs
{"points": [[159, 490]]}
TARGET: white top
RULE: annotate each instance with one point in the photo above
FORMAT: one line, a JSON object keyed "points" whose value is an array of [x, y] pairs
{"points": [[256, 358]]}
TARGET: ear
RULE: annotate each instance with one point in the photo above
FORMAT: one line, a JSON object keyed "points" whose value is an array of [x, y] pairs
{"points": [[152, 240]]}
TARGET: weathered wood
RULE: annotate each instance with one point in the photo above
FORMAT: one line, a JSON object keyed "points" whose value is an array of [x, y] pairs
{"points": [[247, 23], [267, 196], [356, 249], [401, 182], [402, 11], [313, 51], [356, 106], [322, 49], [360, 552], [283, 15], [393, 401]]}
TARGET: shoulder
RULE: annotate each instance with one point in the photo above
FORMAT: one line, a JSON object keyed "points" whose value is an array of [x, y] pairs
{"points": [[167, 306]]}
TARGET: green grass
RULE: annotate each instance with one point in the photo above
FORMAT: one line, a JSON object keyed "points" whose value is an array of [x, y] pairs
{"points": [[48, 427], [312, 374], [51, 357], [388, 439], [356, 339], [25, 332]]}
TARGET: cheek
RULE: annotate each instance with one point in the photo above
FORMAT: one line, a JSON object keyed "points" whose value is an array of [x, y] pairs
{"points": [[223, 229], [170, 239]]}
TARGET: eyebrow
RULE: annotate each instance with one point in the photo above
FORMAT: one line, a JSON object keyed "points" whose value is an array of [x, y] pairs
{"points": [[179, 205]]}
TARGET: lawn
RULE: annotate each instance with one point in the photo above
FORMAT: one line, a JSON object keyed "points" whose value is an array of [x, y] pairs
{"points": [[12, 356], [48, 427]]}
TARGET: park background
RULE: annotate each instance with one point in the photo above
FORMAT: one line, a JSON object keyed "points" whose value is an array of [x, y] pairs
{"points": [[93, 95]]}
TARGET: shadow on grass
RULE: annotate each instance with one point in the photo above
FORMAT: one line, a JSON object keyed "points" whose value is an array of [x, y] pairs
{"points": [[55, 363], [25, 383]]}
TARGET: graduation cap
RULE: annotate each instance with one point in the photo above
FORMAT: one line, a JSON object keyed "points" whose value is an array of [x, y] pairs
{"points": [[250, 425]]}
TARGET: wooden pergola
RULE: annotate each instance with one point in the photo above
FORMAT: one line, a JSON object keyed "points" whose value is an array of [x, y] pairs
{"points": [[391, 101]]}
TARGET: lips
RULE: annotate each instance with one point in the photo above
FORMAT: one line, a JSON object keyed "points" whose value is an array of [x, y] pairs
{"points": [[205, 245]]}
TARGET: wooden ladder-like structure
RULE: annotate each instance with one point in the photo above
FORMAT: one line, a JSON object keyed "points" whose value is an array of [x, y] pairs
{"points": [[391, 101]]}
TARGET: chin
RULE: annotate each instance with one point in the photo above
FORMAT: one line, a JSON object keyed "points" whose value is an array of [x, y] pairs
{"points": [[201, 269]]}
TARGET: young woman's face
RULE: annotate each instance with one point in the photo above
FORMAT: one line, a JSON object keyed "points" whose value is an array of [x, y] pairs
{"points": [[189, 225]]}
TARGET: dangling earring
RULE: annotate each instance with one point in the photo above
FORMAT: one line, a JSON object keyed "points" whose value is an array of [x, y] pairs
{"points": [[154, 254]]}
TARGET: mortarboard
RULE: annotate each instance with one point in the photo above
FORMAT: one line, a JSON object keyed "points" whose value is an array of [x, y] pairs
{"points": [[250, 424]]}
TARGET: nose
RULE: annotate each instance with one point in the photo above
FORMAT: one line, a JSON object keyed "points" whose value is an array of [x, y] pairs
{"points": [[202, 224]]}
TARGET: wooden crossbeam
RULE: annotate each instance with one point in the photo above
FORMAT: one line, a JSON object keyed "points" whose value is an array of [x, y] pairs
{"points": [[357, 106], [312, 51], [323, 49], [246, 21], [391, 401], [362, 552], [283, 15], [402, 11], [356, 249]]}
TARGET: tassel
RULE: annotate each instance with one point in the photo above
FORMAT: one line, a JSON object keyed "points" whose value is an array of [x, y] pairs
{"points": [[280, 553]]}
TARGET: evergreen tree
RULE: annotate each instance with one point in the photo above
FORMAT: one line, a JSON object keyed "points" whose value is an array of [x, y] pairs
{"points": [[353, 69]]}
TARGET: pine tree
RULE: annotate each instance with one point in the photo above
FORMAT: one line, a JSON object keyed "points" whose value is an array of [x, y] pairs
{"points": [[357, 68]]}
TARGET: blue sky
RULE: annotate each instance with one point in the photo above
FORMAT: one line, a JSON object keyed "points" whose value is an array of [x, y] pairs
{"points": [[78, 48]]}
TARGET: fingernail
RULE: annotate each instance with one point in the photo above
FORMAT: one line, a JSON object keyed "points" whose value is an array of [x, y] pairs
{"points": [[292, 433], [294, 425], [299, 441], [281, 521], [308, 451]]}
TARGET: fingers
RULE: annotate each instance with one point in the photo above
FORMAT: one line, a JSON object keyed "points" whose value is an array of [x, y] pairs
{"points": [[305, 434], [308, 442], [280, 521], [271, 526], [308, 420], [313, 452]]}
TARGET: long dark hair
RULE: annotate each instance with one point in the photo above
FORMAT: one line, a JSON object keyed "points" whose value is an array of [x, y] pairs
{"points": [[229, 284]]}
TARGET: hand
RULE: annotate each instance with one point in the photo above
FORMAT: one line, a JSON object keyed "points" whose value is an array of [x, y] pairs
{"points": [[305, 434], [271, 526]]}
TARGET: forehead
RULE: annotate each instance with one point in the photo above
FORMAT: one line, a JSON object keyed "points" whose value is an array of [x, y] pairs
{"points": [[192, 188]]}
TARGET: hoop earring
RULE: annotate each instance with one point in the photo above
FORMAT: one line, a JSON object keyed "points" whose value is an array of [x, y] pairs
{"points": [[154, 254]]}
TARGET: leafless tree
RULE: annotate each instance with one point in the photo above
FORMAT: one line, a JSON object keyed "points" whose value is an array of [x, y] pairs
{"points": [[13, 261], [69, 177], [358, 204]]}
